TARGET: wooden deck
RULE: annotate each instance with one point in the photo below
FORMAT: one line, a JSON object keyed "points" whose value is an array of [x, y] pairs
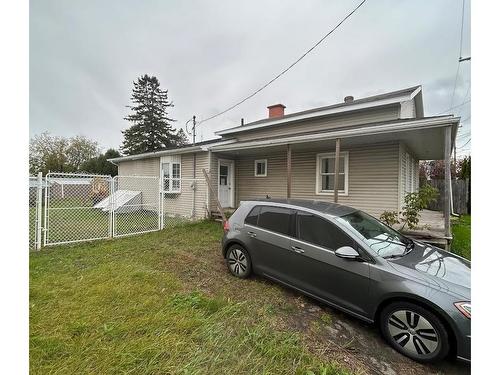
{"points": [[430, 229]]}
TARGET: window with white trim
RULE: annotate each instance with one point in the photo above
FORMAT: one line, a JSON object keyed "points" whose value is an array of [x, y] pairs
{"points": [[325, 173], [260, 168], [171, 172]]}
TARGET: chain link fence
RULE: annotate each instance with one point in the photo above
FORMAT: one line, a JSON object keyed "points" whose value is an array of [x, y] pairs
{"points": [[136, 205], [184, 199], [70, 207], [73, 208]]}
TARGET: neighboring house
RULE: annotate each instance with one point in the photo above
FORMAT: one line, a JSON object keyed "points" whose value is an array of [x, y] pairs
{"points": [[379, 139]]}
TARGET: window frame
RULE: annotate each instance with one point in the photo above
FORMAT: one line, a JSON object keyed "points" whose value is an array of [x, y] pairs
{"points": [[171, 179], [291, 220], [257, 161], [354, 243], [326, 155]]}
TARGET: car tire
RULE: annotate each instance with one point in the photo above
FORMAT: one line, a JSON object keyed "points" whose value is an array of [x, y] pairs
{"points": [[238, 261], [414, 331]]}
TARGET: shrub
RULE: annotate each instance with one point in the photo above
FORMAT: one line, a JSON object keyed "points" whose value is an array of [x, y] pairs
{"points": [[414, 203]]}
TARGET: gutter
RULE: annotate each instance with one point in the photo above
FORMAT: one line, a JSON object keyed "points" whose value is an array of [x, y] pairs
{"points": [[173, 151], [367, 130]]}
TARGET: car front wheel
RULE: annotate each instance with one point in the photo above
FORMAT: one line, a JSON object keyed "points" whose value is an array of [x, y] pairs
{"points": [[414, 331], [238, 261]]}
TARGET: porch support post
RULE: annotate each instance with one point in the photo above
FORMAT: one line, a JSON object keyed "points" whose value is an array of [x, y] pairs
{"points": [[447, 181], [337, 167], [288, 171]]}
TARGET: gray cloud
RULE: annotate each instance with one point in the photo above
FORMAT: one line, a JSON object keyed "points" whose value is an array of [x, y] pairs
{"points": [[84, 56]]}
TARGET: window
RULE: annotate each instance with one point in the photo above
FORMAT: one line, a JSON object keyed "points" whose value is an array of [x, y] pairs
{"points": [[253, 216], [261, 168], [275, 219], [171, 177], [325, 173], [382, 239], [320, 232]]}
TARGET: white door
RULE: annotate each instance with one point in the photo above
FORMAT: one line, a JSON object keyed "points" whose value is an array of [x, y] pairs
{"points": [[225, 181]]}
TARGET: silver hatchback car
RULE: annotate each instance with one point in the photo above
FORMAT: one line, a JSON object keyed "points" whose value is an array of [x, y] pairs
{"points": [[418, 294]]}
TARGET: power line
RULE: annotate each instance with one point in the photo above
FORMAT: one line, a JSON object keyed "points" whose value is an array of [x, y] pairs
{"points": [[287, 69], [458, 148], [460, 54], [449, 109]]}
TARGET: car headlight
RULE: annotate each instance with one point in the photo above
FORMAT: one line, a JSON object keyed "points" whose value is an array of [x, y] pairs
{"points": [[464, 308]]}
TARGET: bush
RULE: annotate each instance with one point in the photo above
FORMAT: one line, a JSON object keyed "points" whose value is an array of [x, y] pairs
{"points": [[414, 203]]}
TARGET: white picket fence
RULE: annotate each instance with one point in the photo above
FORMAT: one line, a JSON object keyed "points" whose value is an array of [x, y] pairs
{"points": [[70, 207]]}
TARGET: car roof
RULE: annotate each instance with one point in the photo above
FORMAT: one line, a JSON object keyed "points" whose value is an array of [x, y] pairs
{"points": [[324, 207]]}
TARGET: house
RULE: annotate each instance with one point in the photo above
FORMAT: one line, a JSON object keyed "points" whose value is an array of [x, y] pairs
{"points": [[376, 142]]}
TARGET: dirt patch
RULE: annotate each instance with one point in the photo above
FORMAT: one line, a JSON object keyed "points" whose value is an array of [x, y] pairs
{"points": [[329, 333]]}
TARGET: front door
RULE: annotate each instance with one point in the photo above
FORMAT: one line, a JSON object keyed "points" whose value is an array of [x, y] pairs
{"points": [[225, 182]]}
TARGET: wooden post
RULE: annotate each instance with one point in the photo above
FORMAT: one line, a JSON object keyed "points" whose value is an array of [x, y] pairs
{"points": [[337, 167], [447, 181], [288, 171]]}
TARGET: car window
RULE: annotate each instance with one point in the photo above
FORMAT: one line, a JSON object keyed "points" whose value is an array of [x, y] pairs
{"points": [[275, 219], [320, 232], [253, 216], [382, 239]]}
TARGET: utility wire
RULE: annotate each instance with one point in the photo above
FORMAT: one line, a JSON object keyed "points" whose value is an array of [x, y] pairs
{"points": [[287, 69], [460, 54], [464, 144], [449, 109]]}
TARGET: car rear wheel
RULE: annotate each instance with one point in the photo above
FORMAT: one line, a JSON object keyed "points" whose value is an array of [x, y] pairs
{"points": [[414, 331], [238, 261]]}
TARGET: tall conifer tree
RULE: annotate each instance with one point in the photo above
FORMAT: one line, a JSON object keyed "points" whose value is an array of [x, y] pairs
{"points": [[151, 128]]}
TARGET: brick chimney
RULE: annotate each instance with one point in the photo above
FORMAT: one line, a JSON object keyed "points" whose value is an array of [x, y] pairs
{"points": [[277, 110]]}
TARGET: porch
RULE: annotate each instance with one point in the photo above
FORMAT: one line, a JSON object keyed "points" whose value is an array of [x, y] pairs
{"points": [[430, 229], [368, 167]]}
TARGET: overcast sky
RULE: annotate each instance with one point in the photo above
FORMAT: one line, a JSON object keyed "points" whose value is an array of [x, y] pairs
{"points": [[85, 54]]}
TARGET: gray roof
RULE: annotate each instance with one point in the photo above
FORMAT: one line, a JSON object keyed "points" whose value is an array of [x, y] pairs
{"points": [[325, 207], [338, 105]]}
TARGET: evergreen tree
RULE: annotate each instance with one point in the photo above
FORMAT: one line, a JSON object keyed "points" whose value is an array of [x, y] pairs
{"points": [[151, 129], [181, 138]]}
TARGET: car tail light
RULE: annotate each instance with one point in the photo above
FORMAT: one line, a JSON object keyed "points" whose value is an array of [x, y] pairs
{"points": [[226, 226]]}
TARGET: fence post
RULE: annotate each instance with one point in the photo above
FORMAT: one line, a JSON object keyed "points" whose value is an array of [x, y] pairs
{"points": [[111, 209], [160, 203], [38, 221]]}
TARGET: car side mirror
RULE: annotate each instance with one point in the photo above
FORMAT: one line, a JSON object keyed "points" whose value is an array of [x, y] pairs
{"points": [[347, 252]]}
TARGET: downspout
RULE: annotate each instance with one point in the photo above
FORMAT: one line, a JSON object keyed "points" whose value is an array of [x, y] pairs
{"points": [[207, 203]]}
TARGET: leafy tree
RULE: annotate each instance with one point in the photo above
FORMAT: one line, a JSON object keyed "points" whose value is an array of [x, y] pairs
{"points": [[151, 129], [47, 153], [79, 150], [59, 154], [101, 165]]}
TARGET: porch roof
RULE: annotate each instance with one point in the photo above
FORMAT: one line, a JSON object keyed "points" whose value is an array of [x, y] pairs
{"points": [[424, 137]]}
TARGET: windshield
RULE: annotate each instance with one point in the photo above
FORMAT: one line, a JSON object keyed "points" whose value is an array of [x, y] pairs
{"points": [[381, 238]]}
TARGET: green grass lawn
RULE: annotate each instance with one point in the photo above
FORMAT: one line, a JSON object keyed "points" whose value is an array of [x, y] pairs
{"points": [[163, 303], [461, 243]]}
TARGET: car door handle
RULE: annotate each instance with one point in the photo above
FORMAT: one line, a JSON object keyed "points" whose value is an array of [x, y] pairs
{"points": [[252, 234], [297, 249]]}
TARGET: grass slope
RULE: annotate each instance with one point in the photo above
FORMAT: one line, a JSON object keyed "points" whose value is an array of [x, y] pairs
{"points": [[160, 303], [461, 243]]}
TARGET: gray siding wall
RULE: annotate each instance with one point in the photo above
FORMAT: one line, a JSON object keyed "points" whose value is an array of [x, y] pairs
{"points": [[408, 173], [344, 120], [175, 204], [142, 167], [373, 177]]}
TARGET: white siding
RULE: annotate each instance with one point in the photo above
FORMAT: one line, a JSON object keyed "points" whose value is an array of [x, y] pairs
{"points": [[373, 177]]}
